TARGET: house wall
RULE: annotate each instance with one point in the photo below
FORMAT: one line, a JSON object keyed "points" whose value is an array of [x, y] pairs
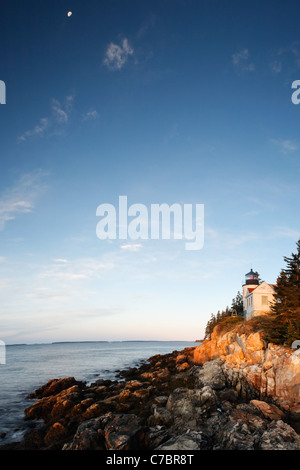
{"points": [[262, 302], [258, 302]]}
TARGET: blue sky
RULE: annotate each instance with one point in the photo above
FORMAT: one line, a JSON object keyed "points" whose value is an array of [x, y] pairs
{"points": [[169, 101]]}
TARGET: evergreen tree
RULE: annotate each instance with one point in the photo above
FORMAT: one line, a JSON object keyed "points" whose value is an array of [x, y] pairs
{"points": [[286, 307], [237, 304], [287, 290], [215, 320]]}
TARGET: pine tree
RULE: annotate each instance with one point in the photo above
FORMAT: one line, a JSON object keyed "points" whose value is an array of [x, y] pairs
{"points": [[286, 308], [287, 290], [237, 304]]}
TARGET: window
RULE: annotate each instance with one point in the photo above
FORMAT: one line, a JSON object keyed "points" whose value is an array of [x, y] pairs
{"points": [[264, 300]]}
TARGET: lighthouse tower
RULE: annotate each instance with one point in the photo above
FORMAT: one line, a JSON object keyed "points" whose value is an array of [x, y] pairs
{"points": [[251, 282]]}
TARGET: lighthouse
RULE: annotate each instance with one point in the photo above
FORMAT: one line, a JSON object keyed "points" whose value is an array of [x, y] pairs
{"points": [[251, 282], [257, 296]]}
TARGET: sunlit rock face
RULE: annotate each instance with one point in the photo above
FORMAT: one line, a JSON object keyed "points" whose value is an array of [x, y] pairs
{"points": [[274, 371]]}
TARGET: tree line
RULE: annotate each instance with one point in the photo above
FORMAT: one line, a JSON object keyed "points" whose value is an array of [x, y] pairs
{"points": [[235, 310]]}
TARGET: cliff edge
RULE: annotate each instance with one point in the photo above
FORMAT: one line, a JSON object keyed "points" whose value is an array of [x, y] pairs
{"points": [[248, 362]]}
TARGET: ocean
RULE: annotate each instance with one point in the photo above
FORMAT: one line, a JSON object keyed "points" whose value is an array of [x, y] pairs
{"points": [[28, 367]]}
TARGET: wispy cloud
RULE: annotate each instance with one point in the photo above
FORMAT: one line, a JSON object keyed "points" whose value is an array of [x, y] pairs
{"points": [[59, 115], [276, 66], [287, 232], [289, 54], [116, 55], [285, 146], [132, 247], [21, 198], [37, 130], [262, 203], [90, 115], [147, 26], [4, 283], [61, 112], [241, 61], [86, 268]]}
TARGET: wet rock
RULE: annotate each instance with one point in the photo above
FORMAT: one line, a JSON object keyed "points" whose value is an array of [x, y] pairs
{"points": [[268, 410], [190, 441], [161, 416], [124, 432], [228, 395], [133, 384], [59, 406], [280, 436], [34, 439], [183, 366], [235, 436], [211, 374], [56, 433], [142, 393], [190, 406], [89, 436], [96, 409], [161, 400], [155, 436], [111, 432], [55, 386]]}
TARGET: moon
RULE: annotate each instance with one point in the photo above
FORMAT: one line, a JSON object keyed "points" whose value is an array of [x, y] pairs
{"points": [[69, 13]]}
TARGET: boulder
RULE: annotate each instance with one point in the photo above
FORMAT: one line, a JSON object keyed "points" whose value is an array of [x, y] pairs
{"points": [[155, 436], [55, 386], [191, 441], [55, 434], [211, 374], [59, 406], [109, 432], [235, 436], [161, 416], [89, 436], [123, 432], [269, 411], [280, 436], [190, 406]]}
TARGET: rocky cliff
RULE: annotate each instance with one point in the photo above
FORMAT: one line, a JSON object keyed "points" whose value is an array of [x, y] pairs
{"points": [[231, 393], [248, 363]]}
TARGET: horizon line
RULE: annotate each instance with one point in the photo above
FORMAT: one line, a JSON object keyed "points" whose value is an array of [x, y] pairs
{"points": [[106, 341]]}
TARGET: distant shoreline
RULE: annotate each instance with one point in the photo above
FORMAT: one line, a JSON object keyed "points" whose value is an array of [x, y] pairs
{"points": [[109, 341]]}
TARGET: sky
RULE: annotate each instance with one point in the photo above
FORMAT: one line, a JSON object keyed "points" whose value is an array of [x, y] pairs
{"points": [[161, 101]]}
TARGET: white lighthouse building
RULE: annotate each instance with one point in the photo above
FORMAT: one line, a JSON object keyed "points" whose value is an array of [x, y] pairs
{"points": [[257, 296]]}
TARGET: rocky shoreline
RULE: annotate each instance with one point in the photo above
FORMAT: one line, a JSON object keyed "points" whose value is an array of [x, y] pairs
{"points": [[170, 402]]}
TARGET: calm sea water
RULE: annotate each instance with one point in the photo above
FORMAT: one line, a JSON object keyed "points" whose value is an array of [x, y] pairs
{"points": [[30, 366]]}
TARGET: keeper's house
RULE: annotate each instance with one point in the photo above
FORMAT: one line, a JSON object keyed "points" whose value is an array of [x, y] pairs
{"points": [[257, 297]]}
